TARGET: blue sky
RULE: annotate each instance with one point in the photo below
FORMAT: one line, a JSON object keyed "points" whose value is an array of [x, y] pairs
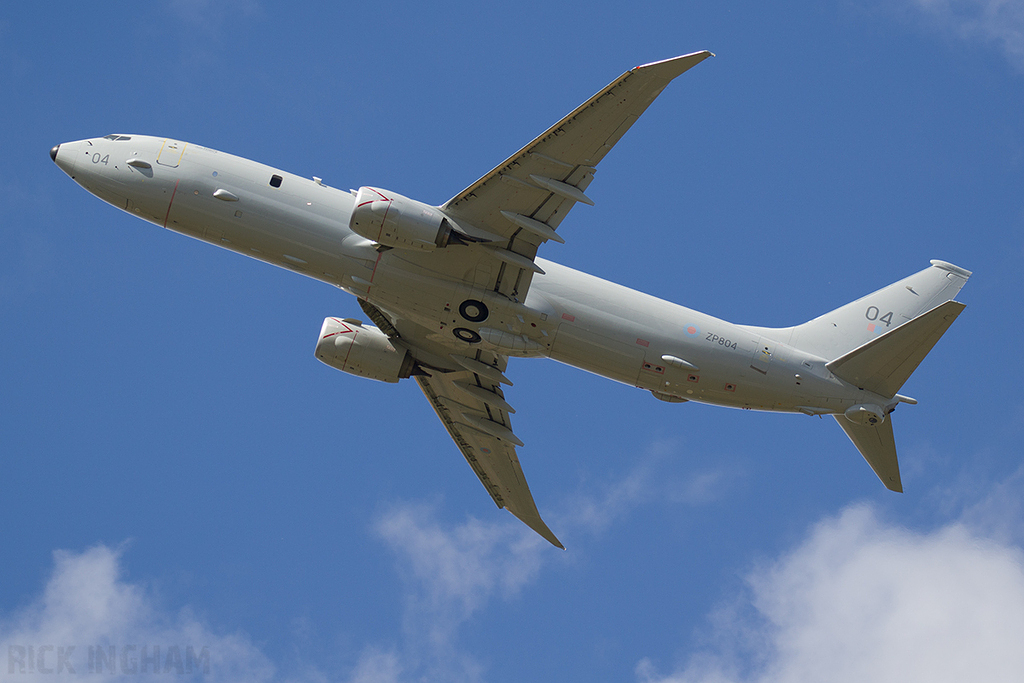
{"points": [[179, 470]]}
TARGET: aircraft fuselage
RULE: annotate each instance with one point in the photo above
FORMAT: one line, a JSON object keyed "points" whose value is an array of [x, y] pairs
{"points": [[569, 316]]}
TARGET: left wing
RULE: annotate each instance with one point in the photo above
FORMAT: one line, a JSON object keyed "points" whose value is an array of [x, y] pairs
{"points": [[472, 408]]}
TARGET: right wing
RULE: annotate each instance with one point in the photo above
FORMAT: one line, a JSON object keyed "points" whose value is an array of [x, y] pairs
{"points": [[523, 200], [473, 409]]}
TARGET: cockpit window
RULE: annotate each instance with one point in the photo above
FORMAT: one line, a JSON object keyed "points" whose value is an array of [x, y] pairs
{"points": [[275, 180], [112, 136]]}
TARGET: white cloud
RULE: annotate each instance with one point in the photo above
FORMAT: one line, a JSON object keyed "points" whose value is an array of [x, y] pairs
{"points": [[861, 600], [377, 666], [451, 573], [1000, 514], [87, 608], [646, 483], [1000, 22], [87, 605]]}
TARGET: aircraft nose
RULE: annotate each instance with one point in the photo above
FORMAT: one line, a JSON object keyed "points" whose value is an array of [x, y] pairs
{"points": [[64, 156]]}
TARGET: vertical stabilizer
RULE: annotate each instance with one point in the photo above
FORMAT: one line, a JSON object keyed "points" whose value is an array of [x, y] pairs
{"points": [[840, 331]]}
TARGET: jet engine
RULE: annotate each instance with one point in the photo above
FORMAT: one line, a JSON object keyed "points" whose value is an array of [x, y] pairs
{"points": [[866, 414], [351, 346], [396, 221]]}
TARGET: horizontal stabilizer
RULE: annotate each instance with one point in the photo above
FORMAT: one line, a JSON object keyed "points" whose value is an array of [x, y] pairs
{"points": [[883, 364], [877, 445]]}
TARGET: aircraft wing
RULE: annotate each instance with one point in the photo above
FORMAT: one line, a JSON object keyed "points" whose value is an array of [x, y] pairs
{"points": [[472, 408], [525, 198]]}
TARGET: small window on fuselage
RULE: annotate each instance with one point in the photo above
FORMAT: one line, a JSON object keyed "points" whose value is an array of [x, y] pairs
{"points": [[113, 136], [275, 181]]}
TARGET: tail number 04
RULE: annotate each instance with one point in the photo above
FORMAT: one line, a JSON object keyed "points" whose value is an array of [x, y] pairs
{"points": [[873, 314]]}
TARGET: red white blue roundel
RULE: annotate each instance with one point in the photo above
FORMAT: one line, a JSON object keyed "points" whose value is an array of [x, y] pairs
{"points": [[692, 331]]}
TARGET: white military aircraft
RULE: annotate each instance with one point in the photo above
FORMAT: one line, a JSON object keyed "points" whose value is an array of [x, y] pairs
{"points": [[454, 291]]}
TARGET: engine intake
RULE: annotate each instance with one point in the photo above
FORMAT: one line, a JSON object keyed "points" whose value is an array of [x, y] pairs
{"points": [[363, 350], [396, 221]]}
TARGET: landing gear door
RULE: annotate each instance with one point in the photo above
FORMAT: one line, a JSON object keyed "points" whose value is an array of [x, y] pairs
{"points": [[764, 350]]}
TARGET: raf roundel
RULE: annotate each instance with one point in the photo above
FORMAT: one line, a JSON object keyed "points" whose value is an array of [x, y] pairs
{"points": [[692, 331]]}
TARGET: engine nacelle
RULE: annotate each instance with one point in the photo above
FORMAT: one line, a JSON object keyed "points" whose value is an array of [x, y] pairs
{"points": [[362, 350], [866, 414], [396, 221]]}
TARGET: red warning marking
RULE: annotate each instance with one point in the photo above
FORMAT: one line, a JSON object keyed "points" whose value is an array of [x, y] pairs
{"points": [[570, 318], [693, 378], [346, 329], [730, 387], [374, 272], [643, 342], [168, 214], [382, 197]]}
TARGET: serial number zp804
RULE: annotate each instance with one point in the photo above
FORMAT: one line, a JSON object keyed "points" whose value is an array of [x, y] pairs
{"points": [[721, 341]]}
